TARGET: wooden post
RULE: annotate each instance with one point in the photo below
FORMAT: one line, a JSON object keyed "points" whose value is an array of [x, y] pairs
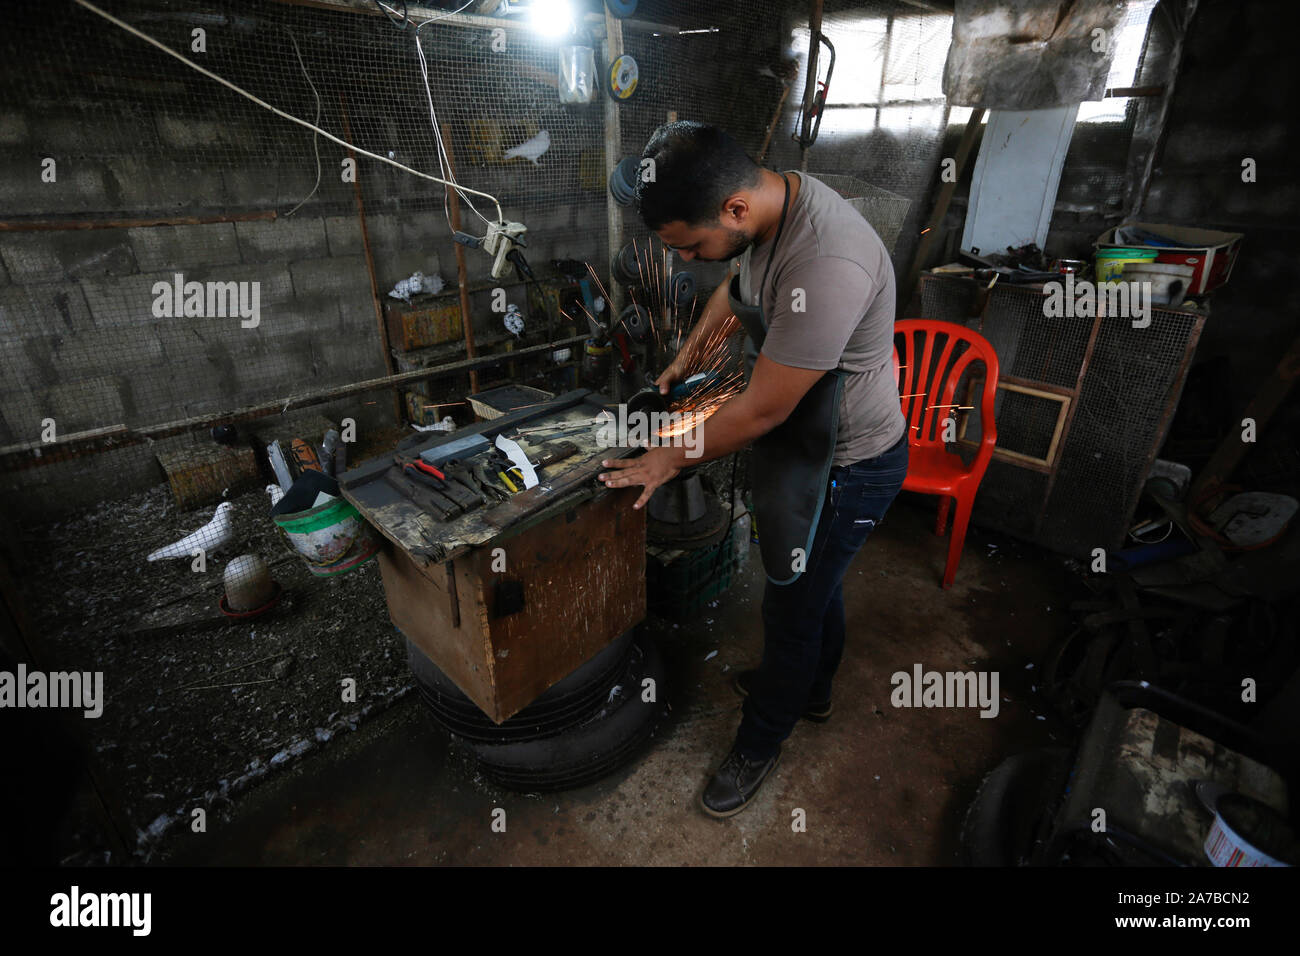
{"points": [[941, 204], [370, 264], [613, 47], [466, 319], [1231, 450]]}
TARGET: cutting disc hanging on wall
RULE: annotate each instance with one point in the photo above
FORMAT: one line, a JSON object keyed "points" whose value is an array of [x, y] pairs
{"points": [[621, 78], [621, 8]]}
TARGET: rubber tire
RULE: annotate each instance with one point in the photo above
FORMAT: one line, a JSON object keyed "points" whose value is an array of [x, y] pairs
{"points": [[1014, 806], [590, 750], [568, 700]]}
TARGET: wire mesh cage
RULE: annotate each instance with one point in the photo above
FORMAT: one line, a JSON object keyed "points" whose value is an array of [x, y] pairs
{"points": [[885, 210]]}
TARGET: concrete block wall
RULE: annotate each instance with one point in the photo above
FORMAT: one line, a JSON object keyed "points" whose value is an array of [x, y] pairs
{"points": [[80, 341]]}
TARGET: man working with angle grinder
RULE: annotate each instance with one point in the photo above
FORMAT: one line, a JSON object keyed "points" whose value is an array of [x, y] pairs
{"points": [[813, 289]]}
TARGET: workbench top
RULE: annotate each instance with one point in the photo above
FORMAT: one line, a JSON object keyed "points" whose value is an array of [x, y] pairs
{"points": [[429, 539]]}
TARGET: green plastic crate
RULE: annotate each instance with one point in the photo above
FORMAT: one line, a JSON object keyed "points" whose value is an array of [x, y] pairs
{"points": [[680, 583]]}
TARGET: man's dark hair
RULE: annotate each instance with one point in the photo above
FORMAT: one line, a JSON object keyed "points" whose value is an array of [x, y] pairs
{"points": [[696, 167]]}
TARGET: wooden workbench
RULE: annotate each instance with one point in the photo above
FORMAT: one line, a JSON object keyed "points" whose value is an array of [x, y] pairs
{"points": [[513, 596]]}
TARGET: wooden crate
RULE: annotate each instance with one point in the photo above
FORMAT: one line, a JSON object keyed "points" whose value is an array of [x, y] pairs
{"points": [[572, 583], [418, 326], [199, 474]]}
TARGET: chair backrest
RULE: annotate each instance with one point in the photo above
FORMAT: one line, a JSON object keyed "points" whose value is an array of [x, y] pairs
{"points": [[927, 385]]}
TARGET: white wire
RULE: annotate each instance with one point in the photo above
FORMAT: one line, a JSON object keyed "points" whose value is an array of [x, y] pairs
{"points": [[315, 140], [444, 161], [462, 190]]}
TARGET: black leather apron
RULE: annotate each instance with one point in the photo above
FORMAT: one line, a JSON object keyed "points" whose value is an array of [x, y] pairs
{"points": [[791, 464]]}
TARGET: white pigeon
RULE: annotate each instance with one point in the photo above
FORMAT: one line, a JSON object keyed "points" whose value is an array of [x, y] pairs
{"points": [[276, 493], [215, 534], [531, 148], [417, 282]]}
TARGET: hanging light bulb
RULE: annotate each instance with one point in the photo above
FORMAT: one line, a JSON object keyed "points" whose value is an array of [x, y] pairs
{"points": [[552, 18]]}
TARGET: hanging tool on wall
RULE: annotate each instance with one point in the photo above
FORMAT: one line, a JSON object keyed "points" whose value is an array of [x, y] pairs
{"points": [[814, 96], [621, 78]]}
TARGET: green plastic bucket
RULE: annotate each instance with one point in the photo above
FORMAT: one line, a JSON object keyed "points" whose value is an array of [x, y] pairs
{"points": [[332, 538], [1110, 262]]}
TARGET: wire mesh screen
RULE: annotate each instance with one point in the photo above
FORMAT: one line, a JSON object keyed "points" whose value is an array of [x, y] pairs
{"points": [[942, 298], [1026, 423], [1132, 386], [1030, 345], [885, 211], [226, 269], [1121, 394]]}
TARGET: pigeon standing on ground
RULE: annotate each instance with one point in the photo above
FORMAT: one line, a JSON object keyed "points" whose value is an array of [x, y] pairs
{"points": [[215, 534], [531, 148]]}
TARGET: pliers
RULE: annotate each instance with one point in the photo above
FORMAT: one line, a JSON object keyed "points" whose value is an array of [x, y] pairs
{"points": [[510, 474], [417, 468]]}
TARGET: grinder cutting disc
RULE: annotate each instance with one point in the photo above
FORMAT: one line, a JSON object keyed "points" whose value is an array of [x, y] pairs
{"points": [[647, 400], [621, 78], [637, 321]]}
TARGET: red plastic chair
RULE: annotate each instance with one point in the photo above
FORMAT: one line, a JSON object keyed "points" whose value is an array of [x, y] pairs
{"points": [[926, 391]]}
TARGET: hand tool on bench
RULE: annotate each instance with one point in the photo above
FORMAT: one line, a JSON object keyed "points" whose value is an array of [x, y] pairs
{"points": [[422, 472], [506, 471], [457, 470], [489, 481], [423, 497], [557, 452]]}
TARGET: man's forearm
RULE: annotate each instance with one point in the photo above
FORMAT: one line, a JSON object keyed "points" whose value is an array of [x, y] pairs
{"points": [[730, 428]]}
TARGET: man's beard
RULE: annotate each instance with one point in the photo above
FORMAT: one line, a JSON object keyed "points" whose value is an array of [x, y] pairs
{"points": [[739, 243]]}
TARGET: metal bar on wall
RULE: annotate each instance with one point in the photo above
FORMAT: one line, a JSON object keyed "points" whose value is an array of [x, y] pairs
{"points": [[118, 435], [56, 225], [420, 13]]}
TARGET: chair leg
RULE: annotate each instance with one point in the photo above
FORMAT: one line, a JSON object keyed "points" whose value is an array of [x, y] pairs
{"points": [[959, 522], [941, 522]]}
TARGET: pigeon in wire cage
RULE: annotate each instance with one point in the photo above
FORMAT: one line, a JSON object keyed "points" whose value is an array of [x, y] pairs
{"points": [[531, 148], [216, 534]]}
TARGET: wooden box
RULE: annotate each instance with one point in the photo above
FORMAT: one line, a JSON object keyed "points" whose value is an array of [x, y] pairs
{"points": [[506, 624], [198, 474], [427, 321]]}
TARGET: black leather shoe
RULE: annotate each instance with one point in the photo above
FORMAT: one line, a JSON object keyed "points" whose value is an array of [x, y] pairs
{"points": [[735, 784], [818, 713]]}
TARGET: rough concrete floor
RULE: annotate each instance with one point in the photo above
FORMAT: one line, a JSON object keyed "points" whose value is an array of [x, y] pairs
{"points": [[878, 784]]}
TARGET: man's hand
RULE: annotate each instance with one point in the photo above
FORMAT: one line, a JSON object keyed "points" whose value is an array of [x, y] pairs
{"points": [[673, 374], [651, 470]]}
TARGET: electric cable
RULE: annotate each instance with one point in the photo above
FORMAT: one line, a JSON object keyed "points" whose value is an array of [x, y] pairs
{"points": [[315, 140]]}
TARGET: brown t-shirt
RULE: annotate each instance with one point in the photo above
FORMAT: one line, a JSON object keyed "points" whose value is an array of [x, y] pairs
{"points": [[829, 303]]}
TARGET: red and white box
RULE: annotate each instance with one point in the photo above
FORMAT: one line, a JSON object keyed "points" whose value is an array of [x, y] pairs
{"points": [[1209, 252]]}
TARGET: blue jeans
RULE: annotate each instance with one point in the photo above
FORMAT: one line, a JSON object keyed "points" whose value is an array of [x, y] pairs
{"points": [[803, 622]]}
